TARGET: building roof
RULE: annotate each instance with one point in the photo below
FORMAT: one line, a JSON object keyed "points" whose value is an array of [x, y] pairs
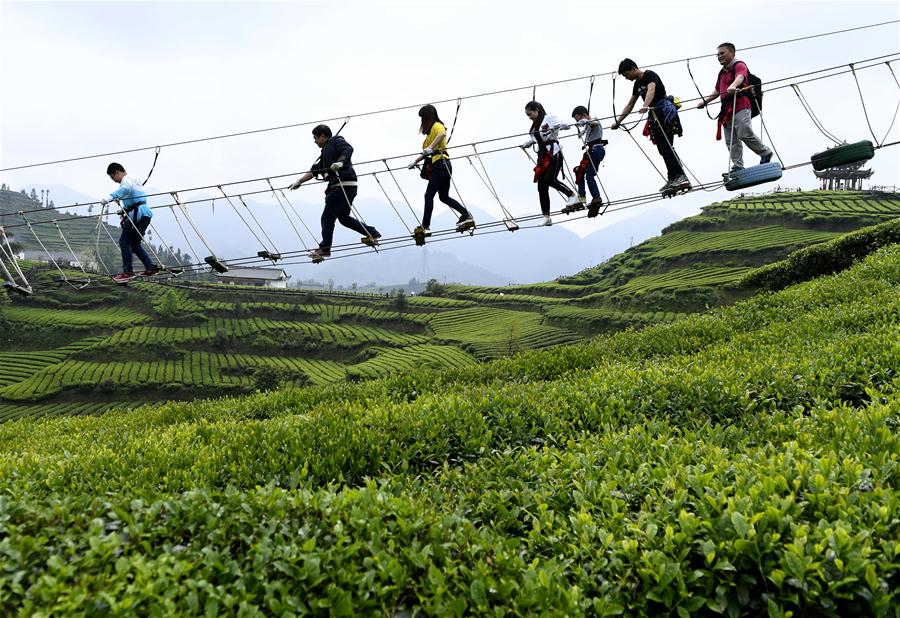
{"points": [[261, 274]]}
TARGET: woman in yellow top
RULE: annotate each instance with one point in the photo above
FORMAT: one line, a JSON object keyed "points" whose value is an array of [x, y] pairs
{"points": [[437, 169]]}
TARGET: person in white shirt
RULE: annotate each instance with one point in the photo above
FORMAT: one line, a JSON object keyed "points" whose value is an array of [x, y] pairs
{"points": [[543, 136]]}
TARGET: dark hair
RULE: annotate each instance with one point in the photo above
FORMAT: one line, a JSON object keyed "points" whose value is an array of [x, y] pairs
{"points": [[537, 107], [429, 116], [321, 129], [728, 46], [112, 168], [627, 65], [581, 109]]}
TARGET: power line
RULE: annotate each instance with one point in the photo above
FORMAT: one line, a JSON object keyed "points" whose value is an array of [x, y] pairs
{"points": [[405, 107]]}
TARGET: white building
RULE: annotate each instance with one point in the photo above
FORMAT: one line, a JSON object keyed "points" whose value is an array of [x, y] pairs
{"points": [[260, 277]]}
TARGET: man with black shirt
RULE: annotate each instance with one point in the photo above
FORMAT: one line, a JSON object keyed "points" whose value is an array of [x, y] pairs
{"points": [[663, 122], [335, 165]]}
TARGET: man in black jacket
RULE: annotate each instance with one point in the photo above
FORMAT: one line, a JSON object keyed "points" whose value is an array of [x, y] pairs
{"points": [[335, 166]]}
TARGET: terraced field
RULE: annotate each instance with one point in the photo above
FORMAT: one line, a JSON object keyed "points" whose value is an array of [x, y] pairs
{"points": [[328, 333], [492, 332], [114, 316], [391, 361]]}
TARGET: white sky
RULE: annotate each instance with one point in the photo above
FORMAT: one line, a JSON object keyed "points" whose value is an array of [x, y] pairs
{"points": [[82, 78]]}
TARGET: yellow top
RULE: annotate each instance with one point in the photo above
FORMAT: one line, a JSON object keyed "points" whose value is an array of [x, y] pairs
{"points": [[436, 129]]}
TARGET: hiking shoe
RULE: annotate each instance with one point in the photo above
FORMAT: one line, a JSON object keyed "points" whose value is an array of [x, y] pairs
{"points": [[547, 220], [370, 240], [319, 253], [666, 186], [153, 270], [123, 277], [765, 159], [681, 183], [465, 223], [597, 201], [422, 231]]}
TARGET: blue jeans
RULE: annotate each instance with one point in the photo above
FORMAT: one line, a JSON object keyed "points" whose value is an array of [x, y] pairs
{"points": [[337, 208], [439, 184], [597, 153], [130, 242]]}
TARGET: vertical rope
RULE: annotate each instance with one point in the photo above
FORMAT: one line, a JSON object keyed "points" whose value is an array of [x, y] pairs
{"points": [[391, 202], [415, 216], [705, 107], [255, 220], [356, 212], [100, 222], [299, 218], [190, 220], [71, 252], [41, 243], [12, 258], [815, 119], [489, 183], [863, 102], [241, 217], [286, 216]]}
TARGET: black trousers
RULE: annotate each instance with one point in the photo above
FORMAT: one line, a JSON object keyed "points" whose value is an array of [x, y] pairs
{"points": [[663, 139], [439, 184], [549, 179], [337, 208]]}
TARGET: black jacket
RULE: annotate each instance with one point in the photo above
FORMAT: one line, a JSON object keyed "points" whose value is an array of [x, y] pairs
{"points": [[336, 149]]}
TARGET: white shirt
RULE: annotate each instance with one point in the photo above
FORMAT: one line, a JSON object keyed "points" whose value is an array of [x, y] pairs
{"points": [[550, 134]]}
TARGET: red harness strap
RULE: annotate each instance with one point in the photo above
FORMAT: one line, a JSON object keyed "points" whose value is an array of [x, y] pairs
{"points": [[581, 168], [542, 166]]}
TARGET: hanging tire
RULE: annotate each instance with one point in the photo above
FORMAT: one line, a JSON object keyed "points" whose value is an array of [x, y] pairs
{"points": [[843, 155], [755, 175]]}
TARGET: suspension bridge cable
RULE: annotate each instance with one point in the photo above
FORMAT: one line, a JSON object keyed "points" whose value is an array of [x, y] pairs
{"points": [[406, 107]]}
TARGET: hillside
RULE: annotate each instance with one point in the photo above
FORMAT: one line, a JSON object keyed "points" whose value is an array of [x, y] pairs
{"points": [[64, 351], [695, 262], [68, 351], [742, 462]]}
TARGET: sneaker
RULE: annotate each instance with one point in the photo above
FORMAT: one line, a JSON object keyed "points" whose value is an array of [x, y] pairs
{"points": [[319, 253], [153, 270], [597, 201], [574, 200], [765, 159], [547, 220], [123, 277], [665, 186], [574, 204]]}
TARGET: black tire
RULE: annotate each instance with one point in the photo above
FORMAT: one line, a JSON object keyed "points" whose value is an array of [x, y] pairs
{"points": [[755, 175], [843, 155]]}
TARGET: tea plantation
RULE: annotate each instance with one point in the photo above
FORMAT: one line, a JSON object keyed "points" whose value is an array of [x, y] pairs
{"points": [[81, 352], [741, 462], [696, 263]]}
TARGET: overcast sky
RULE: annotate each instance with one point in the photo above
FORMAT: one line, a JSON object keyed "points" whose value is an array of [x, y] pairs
{"points": [[85, 78]]}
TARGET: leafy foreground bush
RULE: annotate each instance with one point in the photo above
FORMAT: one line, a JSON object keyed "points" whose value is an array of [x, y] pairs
{"points": [[740, 463]]}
